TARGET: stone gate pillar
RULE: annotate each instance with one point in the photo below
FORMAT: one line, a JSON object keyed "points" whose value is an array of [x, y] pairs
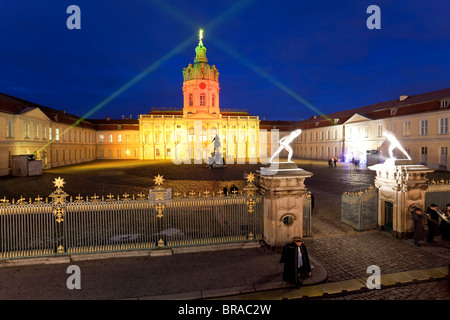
{"points": [[401, 184], [283, 188]]}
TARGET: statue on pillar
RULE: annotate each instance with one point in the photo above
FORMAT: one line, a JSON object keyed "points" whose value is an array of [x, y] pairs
{"points": [[395, 144], [284, 144]]}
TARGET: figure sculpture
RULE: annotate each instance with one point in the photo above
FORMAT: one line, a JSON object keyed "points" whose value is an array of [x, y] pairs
{"points": [[394, 144], [284, 144]]}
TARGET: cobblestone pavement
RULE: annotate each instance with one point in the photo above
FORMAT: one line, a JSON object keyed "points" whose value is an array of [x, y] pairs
{"points": [[345, 252], [432, 290]]}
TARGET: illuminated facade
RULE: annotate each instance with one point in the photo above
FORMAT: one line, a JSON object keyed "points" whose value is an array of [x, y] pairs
{"points": [[188, 133], [419, 122]]}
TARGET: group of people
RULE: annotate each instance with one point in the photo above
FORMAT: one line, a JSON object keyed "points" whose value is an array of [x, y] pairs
{"points": [[332, 162], [233, 190], [432, 217]]}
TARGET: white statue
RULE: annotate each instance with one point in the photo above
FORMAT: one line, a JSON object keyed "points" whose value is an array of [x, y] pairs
{"points": [[394, 144], [284, 144]]}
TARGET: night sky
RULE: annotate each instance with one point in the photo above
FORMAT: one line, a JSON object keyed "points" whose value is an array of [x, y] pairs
{"points": [[280, 60]]}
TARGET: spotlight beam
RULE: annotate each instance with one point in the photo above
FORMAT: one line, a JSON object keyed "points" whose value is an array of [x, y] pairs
{"points": [[183, 45], [229, 50]]}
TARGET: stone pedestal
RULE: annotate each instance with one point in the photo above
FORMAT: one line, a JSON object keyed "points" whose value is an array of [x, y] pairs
{"points": [[283, 187], [401, 185]]}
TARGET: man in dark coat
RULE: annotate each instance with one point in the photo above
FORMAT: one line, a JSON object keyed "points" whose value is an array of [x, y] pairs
{"points": [[433, 222], [419, 229], [296, 261]]}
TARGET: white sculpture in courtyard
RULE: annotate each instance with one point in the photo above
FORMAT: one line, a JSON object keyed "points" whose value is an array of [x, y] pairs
{"points": [[284, 144], [394, 144]]}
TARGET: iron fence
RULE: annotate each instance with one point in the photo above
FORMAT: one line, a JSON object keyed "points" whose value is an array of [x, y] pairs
{"points": [[93, 225]]}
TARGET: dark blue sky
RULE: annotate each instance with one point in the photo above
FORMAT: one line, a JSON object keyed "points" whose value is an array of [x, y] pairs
{"points": [[276, 58]]}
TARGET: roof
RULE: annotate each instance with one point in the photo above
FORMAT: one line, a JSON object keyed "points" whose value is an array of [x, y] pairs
{"points": [[13, 105], [424, 102]]}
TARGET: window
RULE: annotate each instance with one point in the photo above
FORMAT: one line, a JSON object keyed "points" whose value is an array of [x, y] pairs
{"points": [[407, 128], [213, 100], [110, 138], [119, 138], [202, 99], [366, 131], [380, 130], [50, 133], [27, 130], [335, 134], [110, 153], [423, 127], [424, 150], [101, 138], [44, 132], [119, 153], [70, 136], [191, 100], [443, 126], [127, 138], [36, 131], [57, 134], [444, 104], [9, 128]]}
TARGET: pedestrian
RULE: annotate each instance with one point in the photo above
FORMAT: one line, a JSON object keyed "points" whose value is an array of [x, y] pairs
{"points": [[334, 161], [445, 225], [225, 191], [296, 262], [419, 228], [330, 163], [433, 222]]}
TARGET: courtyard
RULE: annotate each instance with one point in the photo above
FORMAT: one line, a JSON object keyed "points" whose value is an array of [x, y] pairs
{"points": [[343, 251]]}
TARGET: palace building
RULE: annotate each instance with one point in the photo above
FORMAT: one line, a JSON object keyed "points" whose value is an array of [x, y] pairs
{"points": [[188, 133], [58, 138], [420, 123]]}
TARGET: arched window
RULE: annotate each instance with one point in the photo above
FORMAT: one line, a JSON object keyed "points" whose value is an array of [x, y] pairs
{"points": [[213, 100], [191, 100], [202, 99]]}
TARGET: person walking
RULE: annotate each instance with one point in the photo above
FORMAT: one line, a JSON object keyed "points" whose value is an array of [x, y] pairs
{"points": [[296, 262], [433, 222], [419, 228]]}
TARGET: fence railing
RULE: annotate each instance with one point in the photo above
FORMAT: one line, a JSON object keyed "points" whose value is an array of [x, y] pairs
{"points": [[150, 221], [360, 210], [438, 192]]}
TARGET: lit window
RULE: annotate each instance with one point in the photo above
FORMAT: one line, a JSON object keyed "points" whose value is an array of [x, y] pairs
{"points": [[57, 134], [9, 128], [213, 100], [407, 128], [101, 138], [27, 130], [202, 99], [191, 100], [119, 138], [110, 138]]}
